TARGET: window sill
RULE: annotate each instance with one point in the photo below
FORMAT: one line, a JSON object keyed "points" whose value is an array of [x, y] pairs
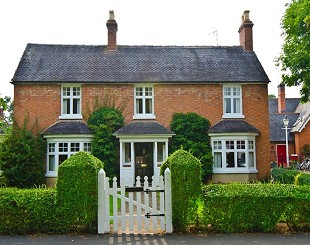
{"points": [[235, 171], [51, 175], [144, 116], [232, 116], [70, 117]]}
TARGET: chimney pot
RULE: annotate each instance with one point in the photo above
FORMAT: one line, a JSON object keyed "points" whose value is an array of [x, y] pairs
{"points": [[246, 16], [111, 15]]}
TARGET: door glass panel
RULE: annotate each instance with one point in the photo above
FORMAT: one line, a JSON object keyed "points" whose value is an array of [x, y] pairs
{"points": [[160, 151], [127, 152]]}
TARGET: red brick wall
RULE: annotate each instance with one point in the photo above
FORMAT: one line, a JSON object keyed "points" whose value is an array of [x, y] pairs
{"points": [[273, 150], [302, 138], [117, 94], [43, 101]]}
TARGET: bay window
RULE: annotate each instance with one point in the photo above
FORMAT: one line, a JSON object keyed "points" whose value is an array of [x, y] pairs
{"points": [[234, 154], [59, 151]]}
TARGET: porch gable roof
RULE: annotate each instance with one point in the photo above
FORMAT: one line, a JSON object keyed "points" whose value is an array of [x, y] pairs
{"points": [[143, 127]]}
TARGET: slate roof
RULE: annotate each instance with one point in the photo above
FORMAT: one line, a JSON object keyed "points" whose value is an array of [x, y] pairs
{"points": [[149, 127], [304, 117], [81, 63], [291, 105], [233, 126], [64, 127], [276, 127]]}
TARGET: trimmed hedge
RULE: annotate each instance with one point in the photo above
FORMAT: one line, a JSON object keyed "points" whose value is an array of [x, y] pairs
{"points": [[185, 187], [290, 176], [27, 211], [77, 192], [255, 207]]}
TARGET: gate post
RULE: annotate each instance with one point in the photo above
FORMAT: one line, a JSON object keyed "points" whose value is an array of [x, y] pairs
{"points": [[101, 209], [168, 203]]}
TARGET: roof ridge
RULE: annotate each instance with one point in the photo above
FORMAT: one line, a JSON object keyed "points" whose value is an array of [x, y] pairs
{"points": [[128, 45]]}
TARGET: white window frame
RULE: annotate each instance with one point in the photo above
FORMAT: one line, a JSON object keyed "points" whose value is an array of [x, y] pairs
{"points": [[84, 145], [249, 150], [143, 97], [232, 97], [71, 97]]}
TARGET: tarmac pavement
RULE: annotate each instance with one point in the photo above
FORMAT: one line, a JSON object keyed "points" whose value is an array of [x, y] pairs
{"points": [[160, 239]]}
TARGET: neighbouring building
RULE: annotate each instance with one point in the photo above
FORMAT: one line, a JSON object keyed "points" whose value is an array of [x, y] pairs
{"points": [[298, 115], [225, 84]]}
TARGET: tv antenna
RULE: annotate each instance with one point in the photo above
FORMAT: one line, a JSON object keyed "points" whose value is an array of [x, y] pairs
{"points": [[215, 32]]}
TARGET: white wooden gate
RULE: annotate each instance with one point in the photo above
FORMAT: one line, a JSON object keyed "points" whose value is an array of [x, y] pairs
{"points": [[136, 208]]}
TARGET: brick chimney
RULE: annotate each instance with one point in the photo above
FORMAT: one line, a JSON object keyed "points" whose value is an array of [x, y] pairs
{"points": [[112, 29], [281, 98], [245, 32]]}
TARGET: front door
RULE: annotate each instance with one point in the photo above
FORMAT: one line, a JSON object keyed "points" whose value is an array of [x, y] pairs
{"points": [[281, 155], [144, 160]]}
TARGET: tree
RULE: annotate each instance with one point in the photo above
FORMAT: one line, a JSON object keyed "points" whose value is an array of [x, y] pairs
{"points": [[104, 122], [271, 96], [192, 135], [6, 113], [22, 155], [295, 55]]}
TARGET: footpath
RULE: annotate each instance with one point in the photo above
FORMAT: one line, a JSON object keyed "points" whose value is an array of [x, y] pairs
{"points": [[160, 239]]}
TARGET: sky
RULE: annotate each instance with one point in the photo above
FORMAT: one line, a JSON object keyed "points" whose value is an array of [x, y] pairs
{"points": [[140, 22]]}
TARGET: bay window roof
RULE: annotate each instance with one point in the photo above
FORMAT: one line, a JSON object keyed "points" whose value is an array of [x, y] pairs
{"points": [[233, 126]]}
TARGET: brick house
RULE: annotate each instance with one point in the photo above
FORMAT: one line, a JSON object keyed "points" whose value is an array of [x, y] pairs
{"points": [[227, 85], [298, 115]]}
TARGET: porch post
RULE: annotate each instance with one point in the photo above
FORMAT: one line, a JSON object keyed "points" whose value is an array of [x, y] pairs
{"points": [[166, 150], [121, 174], [155, 168], [132, 160]]}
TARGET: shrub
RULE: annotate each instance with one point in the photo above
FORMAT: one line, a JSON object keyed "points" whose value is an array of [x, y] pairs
{"points": [[77, 192], [104, 122], [289, 176], [185, 187], [27, 211], [302, 179], [254, 207], [192, 135], [22, 155], [305, 152]]}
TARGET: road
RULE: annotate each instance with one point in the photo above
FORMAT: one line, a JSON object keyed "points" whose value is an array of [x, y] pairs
{"points": [[148, 239]]}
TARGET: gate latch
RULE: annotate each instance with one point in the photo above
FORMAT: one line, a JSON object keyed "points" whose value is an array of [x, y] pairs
{"points": [[148, 215], [147, 191]]}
